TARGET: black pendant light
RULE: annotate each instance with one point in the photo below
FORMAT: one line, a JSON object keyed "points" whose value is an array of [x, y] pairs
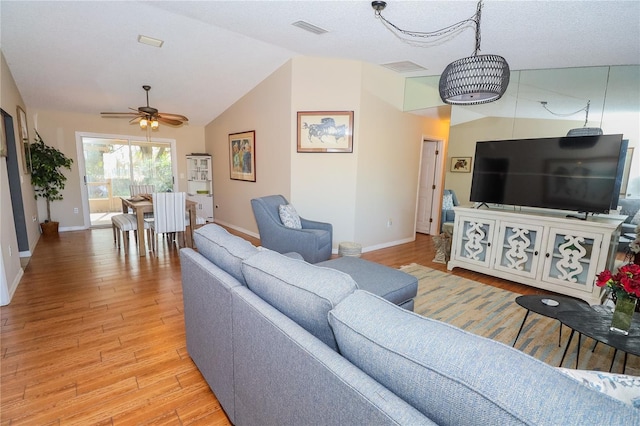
{"points": [[477, 79]]}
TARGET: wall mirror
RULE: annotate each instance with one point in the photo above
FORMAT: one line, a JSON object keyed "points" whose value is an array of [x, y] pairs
{"points": [[540, 103]]}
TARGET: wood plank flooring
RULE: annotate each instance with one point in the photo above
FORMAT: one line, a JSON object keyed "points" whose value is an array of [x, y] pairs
{"points": [[96, 337]]}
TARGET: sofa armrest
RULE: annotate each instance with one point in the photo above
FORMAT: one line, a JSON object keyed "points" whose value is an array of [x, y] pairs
{"points": [[206, 292]]}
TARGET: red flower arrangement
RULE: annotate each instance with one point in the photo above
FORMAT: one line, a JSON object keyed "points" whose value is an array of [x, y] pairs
{"points": [[627, 279]]}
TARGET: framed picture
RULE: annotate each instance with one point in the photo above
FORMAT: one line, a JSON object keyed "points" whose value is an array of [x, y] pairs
{"points": [[461, 164], [325, 131], [23, 134], [242, 157], [3, 138]]}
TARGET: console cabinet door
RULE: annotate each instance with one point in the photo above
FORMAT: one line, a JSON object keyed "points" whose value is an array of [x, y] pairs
{"points": [[571, 258], [518, 248], [474, 243]]}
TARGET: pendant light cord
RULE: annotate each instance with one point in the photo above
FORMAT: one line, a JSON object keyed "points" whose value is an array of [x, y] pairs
{"points": [[437, 35], [557, 114], [476, 19]]}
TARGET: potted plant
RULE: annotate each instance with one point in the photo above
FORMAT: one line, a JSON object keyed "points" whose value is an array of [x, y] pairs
{"points": [[47, 177]]}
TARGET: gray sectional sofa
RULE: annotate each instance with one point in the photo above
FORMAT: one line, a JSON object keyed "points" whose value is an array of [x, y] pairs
{"points": [[284, 342]]}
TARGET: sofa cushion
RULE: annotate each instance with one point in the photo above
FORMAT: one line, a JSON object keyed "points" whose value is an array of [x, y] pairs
{"points": [[391, 284], [456, 378], [289, 216], [303, 292], [223, 249]]}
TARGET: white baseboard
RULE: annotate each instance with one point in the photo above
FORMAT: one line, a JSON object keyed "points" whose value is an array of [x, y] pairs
{"points": [[13, 287], [388, 244], [72, 228]]}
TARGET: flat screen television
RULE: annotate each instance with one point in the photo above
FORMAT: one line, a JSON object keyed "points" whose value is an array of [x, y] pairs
{"points": [[576, 173]]}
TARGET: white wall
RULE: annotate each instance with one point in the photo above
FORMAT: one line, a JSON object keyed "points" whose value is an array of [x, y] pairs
{"points": [[10, 269], [356, 192], [266, 109], [323, 185]]}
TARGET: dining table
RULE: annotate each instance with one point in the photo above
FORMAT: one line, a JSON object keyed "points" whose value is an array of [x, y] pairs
{"points": [[141, 205]]}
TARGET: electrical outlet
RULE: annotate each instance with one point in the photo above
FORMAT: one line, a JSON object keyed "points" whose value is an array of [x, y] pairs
{"points": [[34, 218], [9, 251], [75, 210], [389, 223]]}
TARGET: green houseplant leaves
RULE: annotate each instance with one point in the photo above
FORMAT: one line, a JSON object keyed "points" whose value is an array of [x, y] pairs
{"points": [[46, 172]]}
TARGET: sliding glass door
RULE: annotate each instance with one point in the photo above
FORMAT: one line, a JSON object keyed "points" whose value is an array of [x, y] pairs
{"points": [[112, 164]]}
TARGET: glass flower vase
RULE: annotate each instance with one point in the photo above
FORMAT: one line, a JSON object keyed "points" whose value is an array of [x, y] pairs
{"points": [[623, 313]]}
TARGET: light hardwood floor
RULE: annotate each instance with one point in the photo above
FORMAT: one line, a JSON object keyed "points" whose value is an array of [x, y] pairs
{"points": [[94, 337]]}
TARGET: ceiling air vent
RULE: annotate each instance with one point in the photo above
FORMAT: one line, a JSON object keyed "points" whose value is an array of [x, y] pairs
{"points": [[309, 27], [404, 66]]}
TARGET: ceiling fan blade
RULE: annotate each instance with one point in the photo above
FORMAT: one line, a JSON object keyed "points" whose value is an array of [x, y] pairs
{"points": [[169, 121], [119, 114], [172, 116]]}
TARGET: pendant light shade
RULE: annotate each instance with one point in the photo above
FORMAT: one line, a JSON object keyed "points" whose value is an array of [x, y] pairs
{"points": [[585, 131], [474, 80]]}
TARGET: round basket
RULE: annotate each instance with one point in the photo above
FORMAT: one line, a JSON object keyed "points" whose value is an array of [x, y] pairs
{"points": [[349, 249]]}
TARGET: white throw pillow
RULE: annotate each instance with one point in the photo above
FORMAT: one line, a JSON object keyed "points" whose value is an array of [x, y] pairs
{"points": [[636, 219], [289, 216], [447, 202], [620, 386]]}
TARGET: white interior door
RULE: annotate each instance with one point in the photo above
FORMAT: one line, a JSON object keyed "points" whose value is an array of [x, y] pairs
{"points": [[426, 221]]}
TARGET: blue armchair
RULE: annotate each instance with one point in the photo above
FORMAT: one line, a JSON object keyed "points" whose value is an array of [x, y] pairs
{"points": [[449, 200], [313, 242], [628, 207]]}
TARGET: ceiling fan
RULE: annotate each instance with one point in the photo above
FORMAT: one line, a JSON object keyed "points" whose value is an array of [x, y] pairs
{"points": [[148, 116]]}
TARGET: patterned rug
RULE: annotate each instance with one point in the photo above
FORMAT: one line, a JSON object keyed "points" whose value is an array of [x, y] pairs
{"points": [[493, 313]]}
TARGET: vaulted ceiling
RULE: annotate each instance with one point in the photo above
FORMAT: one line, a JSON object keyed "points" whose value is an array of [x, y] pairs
{"points": [[84, 56]]}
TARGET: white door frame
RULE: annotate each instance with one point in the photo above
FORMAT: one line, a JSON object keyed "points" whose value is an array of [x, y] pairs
{"points": [[436, 207], [82, 168]]}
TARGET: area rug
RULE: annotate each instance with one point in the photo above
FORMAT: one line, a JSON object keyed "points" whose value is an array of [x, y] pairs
{"points": [[493, 313]]}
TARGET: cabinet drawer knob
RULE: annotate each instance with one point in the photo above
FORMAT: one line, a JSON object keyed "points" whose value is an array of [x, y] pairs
{"points": [[546, 255], [535, 253]]}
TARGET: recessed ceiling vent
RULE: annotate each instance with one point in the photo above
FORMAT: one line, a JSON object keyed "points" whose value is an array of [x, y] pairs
{"points": [[150, 41], [404, 66], [309, 27]]}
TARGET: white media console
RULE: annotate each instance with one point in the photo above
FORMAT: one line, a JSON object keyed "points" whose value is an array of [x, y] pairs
{"points": [[542, 249]]}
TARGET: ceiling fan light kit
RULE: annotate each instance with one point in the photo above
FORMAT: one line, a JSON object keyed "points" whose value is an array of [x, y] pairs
{"points": [[473, 80]]}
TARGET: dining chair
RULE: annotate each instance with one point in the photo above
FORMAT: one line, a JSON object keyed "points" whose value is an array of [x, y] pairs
{"points": [[141, 189], [168, 217], [121, 225]]}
